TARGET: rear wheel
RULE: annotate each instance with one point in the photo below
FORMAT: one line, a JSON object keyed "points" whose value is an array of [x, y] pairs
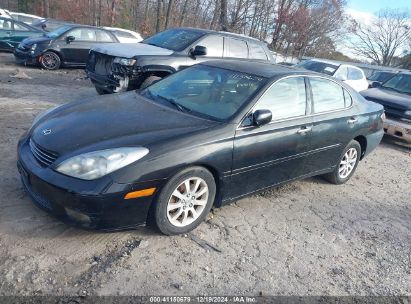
{"points": [[185, 201], [347, 164], [149, 81], [50, 61]]}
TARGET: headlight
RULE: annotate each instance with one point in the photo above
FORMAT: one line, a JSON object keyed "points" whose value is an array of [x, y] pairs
{"points": [[124, 61], [42, 114], [408, 113], [99, 163], [33, 47]]}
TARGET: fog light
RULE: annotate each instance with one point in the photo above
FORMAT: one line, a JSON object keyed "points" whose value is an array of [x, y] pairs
{"points": [[78, 216]]}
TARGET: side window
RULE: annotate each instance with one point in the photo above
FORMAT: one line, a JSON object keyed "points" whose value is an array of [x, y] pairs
{"points": [[103, 36], [342, 73], [122, 34], [20, 27], [82, 34], [285, 99], [327, 95], [347, 98], [5, 25], [214, 45], [354, 74], [256, 51], [235, 48]]}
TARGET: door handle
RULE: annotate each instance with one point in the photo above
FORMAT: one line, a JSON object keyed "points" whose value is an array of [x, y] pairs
{"points": [[304, 130], [352, 120]]}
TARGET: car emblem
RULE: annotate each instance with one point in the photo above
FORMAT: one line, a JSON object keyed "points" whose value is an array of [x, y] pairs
{"points": [[46, 131]]}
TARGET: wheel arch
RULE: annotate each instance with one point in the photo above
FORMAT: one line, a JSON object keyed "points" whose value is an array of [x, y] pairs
{"points": [[362, 140], [54, 51]]}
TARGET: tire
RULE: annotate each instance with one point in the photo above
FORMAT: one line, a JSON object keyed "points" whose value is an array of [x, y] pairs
{"points": [[100, 91], [174, 214], [50, 61], [344, 170], [149, 81]]}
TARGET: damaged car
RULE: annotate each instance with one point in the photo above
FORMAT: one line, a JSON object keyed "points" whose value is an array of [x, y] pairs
{"points": [[201, 138], [118, 67]]}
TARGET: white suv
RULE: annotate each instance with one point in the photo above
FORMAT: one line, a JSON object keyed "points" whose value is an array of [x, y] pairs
{"points": [[351, 75]]}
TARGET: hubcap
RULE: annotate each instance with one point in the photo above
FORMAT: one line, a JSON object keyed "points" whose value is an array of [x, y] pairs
{"points": [[49, 60], [347, 163], [187, 202]]}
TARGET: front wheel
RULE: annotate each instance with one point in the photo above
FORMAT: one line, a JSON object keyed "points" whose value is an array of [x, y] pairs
{"points": [[50, 61], [347, 164], [185, 201], [149, 81]]}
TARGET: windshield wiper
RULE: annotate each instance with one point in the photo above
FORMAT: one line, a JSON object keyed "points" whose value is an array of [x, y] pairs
{"points": [[175, 103]]}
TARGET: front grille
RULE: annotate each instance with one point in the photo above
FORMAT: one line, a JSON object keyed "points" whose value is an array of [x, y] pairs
{"points": [[100, 64], [44, 157]]}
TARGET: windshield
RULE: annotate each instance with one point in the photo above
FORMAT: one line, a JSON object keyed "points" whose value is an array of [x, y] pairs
{"points": [[174, 39], [400, 83], [57, 32], [321, 67], [381, 76], [206, 91]]}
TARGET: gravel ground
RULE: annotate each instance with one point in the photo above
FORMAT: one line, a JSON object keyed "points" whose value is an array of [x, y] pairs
{"points": [[306, 238]]}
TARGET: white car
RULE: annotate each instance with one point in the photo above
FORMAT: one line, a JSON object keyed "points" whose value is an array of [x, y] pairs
{"points": [[26, 18], [351, 75], [125, 36]]}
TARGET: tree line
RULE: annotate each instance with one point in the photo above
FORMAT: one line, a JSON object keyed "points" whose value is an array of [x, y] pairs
{"points": [[294, 28]]}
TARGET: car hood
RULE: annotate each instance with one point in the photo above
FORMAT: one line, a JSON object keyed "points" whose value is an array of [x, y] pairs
{"points": [[130, 50], [388, 98], [111, 121], [38, 40]]}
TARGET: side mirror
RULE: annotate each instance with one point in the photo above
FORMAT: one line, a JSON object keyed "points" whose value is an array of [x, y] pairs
{"points": [[70, 39], [262, 117], [199, 50], [375, 84]]}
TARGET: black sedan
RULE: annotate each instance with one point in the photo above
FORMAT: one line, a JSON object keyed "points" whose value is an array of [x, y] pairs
{"points": [[68, 45], [202, 137]]}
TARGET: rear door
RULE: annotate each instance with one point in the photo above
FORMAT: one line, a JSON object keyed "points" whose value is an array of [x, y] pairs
{"points": [[273, 153], [334, 122], [215, 48]]}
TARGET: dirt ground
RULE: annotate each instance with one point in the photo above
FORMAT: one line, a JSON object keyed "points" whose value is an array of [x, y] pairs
{"points": [[306, 238]]}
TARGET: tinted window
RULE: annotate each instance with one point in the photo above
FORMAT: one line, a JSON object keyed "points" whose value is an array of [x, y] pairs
{"points": [[400, 83], [321, 67], [381, 76], [5, 25], [174, 39], [354, 74], [214, 45], [257, 51], [206, 91], [20, 28], [236, 48], [285, 99], [57, 32], [83, 34], [327, 95], [103, 36]]}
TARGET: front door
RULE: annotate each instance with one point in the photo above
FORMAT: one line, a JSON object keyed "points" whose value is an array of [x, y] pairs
{"points": [[76, 51], [273, 153]]}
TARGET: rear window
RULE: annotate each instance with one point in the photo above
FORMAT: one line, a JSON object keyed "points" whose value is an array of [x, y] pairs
{"points": [[235, 48], [122, 34], [354, 74], [320, 67], [257, 51]]}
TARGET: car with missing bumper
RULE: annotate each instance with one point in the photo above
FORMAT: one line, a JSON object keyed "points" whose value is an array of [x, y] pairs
{"points": [[118, 67], [68, 45], [200, 138], [395, 96]]}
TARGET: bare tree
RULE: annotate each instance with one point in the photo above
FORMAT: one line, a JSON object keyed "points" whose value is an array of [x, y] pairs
{"points": [[223, 15], [381, 40], [169, 9]]}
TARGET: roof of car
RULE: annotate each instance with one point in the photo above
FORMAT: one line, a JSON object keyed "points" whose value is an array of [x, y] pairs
{"points": [[206, 31], [262, 69]]}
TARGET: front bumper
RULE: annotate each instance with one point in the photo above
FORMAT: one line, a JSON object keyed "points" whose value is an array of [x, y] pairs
{"points": [[97, 204], [25, 57], [398, 129]]}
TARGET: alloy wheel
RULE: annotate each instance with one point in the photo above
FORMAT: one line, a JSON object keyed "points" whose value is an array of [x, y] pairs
{"points": [[347, 163], [50, 60], [187, 202]]}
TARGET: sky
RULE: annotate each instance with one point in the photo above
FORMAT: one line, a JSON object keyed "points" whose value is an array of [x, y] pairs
{"points": [[363, 11]]}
